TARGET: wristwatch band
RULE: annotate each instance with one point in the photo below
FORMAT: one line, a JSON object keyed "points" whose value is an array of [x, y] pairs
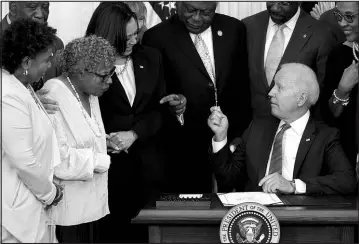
{"points": [[293, 184]]}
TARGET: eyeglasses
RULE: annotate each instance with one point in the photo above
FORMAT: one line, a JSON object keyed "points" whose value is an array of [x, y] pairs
{"points": [[104, 77], [347, 17], [283, 4]]}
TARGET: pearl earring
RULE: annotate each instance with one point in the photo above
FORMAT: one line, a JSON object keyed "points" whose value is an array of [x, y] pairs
{"points": [[25, 72]]}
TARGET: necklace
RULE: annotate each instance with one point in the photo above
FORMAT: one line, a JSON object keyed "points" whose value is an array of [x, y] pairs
{"points": [[32, 92], [97, 133], [118, 73], [355, 50]]}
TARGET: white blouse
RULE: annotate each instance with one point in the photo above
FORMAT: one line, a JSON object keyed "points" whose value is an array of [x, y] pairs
{"points": [[84, 159], [127, 79]]}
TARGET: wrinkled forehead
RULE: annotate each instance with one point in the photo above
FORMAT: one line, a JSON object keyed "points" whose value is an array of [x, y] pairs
{"points": [[285, 76], [29, 4], [347, 7], [201, 5]]}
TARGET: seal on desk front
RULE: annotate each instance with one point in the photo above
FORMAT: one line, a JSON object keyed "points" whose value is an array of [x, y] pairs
{"points": [[249, 223]]}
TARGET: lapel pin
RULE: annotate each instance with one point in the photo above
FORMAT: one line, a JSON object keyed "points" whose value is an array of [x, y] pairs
{"points": [[305, 35], [308, 139], [220, 33], [141, 66]]}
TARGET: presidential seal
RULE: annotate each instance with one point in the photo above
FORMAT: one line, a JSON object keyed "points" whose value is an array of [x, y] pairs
{"points": [[249, 223]]}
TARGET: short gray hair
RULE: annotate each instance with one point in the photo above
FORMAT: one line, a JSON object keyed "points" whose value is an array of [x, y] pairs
{"points": [[303, 79]]}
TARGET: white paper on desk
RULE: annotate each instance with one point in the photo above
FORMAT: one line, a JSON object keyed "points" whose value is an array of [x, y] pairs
{"points": [[234, 198]]}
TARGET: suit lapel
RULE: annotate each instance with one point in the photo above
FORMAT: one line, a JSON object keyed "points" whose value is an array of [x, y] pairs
{"points": [[304, 145], [4, 24], [267, 139], [300, 36], [261, 37], [139, 68], [185, 44], [219, 49], [118, 88]]}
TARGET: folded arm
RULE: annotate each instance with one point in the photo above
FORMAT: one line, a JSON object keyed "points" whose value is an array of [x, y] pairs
{"points": [[77, 163]]}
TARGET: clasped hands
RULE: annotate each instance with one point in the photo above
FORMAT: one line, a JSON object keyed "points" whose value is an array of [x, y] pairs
{"points": [[274, 183], [120, 141]]}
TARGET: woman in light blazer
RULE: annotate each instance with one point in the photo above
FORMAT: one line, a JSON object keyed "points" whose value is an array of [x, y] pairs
{"points": [[29, 146]]}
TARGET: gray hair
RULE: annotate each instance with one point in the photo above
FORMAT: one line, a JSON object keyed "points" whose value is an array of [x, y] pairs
{"points": [[303, 79]]}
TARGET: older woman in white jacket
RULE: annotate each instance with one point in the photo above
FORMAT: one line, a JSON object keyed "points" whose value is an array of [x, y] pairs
{"points": [[29, 147], [87, 64]]}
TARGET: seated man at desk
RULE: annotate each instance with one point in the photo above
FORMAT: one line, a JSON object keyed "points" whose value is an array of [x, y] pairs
{"points": [[289, 152]]}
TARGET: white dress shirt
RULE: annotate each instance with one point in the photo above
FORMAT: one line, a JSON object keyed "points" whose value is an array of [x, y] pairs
{"points": [[288, 31], [29, 154], [290, 145], [208, 40], [127, 80], [8, 19], [84, 160]]}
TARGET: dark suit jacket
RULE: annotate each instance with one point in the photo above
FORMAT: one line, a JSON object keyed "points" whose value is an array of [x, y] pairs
{"points": [[310, 44], [320, 161], [186, 74], [52, 72], [144, 117]]}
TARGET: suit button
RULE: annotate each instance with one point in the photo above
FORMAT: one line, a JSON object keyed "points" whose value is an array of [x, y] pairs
{"points": [[210, 84]]}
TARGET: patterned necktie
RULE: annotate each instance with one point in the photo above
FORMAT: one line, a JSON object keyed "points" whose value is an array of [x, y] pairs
{"points": [[274, 54], [204, 54], [276, 159]]}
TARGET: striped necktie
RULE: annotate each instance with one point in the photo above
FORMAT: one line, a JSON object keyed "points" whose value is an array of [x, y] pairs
{"points": [[277, 153]]}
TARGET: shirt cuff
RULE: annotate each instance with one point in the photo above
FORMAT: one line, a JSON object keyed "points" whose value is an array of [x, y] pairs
{"points": [[51, 196], [216, 146], [300, 187]]}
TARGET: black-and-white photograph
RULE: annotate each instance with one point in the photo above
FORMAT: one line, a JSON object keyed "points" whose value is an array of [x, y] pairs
{"points": [[179, 122]]}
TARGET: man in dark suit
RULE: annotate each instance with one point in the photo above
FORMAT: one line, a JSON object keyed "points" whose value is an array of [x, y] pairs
{"points": [[218, 75], [288, 153], [303, 39], [38, 11]]}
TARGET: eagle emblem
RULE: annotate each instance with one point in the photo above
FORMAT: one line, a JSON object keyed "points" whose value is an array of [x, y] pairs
{"points": [[249, 222], [249, 229]]}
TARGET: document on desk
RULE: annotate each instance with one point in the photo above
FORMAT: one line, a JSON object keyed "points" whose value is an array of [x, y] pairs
{"points": [[234, 198]]}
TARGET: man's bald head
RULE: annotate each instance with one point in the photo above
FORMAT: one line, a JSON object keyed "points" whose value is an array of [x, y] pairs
{"points": [[38, 11]]}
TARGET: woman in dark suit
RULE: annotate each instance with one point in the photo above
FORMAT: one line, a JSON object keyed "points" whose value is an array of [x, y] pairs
{"points": [[132, 116]]}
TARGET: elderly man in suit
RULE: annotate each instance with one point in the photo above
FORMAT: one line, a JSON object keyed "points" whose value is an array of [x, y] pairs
{"points": [[205, 59], [281, 34], [38, 11], [290, 152]]}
